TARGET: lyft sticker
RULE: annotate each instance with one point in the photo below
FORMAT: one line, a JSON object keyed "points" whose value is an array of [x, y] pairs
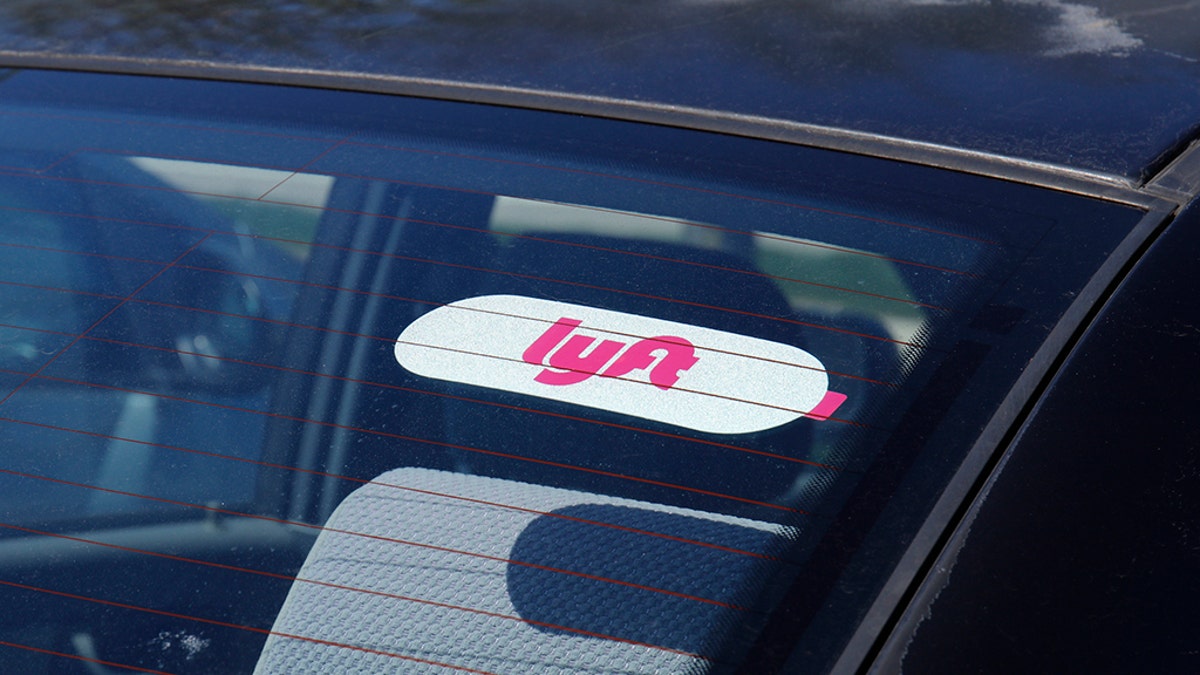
{"points": [[689, 376]]}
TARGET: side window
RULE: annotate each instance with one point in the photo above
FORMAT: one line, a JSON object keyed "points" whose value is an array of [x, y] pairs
{"points": [[33, 263], [130, 292]]}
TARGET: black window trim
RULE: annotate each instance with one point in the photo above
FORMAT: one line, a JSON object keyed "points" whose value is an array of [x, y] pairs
{"points": [[876, 645], [1100, 185]]}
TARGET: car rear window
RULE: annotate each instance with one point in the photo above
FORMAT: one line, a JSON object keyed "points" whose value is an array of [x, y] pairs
{"points": [[298, 379]]}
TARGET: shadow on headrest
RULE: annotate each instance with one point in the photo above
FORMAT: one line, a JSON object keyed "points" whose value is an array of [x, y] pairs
{"points": [[679, 595]]}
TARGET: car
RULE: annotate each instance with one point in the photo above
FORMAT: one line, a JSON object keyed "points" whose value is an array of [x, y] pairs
{"points": [[531, 337]]}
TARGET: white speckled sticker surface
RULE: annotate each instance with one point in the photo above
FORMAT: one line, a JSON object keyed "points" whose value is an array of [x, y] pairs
{"points": [[689, 376]]}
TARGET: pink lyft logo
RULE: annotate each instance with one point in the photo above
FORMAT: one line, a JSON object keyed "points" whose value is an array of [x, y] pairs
{"points": [[569, 365], [704, 379]]}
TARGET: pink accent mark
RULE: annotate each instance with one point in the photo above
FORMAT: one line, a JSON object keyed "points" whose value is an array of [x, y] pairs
{"points": [[567, 363], [825, 409]]}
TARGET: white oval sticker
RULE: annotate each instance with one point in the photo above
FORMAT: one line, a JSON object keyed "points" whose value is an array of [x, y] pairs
{"points": [[689, 376]]}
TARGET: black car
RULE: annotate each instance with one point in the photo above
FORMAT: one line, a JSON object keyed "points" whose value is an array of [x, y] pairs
{"points": [[533, 337]]}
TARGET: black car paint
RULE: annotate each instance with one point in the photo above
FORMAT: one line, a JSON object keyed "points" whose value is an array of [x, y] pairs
{"points": [[1082, 554], [1047, 80]]}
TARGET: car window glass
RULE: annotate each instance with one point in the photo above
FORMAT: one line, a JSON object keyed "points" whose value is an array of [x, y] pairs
{"points": [[272, 350]]}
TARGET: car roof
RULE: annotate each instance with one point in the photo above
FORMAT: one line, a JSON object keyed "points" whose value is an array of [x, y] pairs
{"points": [[1107, 88]]}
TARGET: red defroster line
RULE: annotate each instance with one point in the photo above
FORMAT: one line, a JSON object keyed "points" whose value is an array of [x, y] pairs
{"points": [[771, 236], [447, 349], [753, 235], [405, 488], [235, 626], [101, 320], [461, 351], [648, 256], [56, 289], [607, 289], [262, 199], [386, 296], [687, 188], [86, 254], [697, 392], [766, 236], [77, 657], [343, 587], [425, 441], [414, 439], [473, 268], [377, 537], [753, 273], [465, 399], [485, 270], [493, 160]]}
